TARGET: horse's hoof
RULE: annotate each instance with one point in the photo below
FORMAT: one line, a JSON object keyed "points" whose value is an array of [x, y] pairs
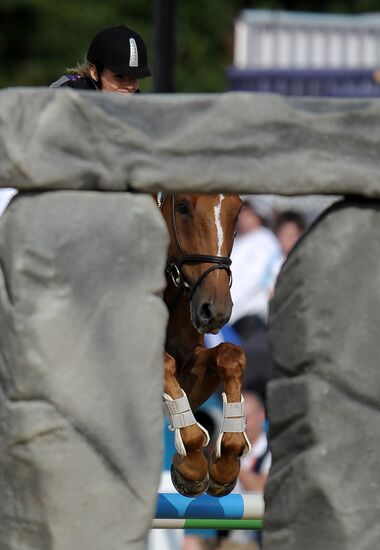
{"points": [[186, 487], [220, 489]]}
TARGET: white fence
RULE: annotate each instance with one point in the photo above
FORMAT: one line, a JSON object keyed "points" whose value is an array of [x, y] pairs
{"points": [[284, 40]]}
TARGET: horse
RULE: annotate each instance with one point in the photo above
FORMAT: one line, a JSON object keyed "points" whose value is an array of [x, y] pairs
{"points": [[201, 230]]}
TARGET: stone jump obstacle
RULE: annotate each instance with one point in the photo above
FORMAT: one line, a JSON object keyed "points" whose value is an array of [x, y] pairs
{"points": [[235, 511], [82, 324]]}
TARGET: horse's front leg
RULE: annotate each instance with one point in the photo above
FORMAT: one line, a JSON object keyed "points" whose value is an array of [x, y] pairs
{"points": [[189, 468], [232, 442], [225, 363]]}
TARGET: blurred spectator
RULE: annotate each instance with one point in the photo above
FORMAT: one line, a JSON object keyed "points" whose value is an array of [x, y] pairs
{"points": [[199, 541], [255, 254], [255, 466], [226, 334], [290, 225], [253, 472], [255, 250]]}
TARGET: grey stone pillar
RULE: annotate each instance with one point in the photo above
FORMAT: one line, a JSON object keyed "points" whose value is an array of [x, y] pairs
{"points": [[324, 486], [81, 339]]}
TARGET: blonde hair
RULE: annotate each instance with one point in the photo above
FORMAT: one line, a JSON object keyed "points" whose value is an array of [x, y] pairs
{"points": [[81, 69]]}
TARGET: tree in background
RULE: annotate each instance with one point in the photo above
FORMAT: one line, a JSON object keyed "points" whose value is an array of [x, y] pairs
{"points": [[39, 39]]}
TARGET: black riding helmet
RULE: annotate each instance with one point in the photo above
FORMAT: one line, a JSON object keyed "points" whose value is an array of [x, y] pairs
{"points": [[121, 50]]}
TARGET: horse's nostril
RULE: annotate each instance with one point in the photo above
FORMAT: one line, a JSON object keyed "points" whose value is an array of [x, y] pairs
{"points": [[206, 312]]}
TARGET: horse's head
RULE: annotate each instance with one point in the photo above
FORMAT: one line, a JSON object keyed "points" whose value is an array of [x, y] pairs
{"points": [[201, 229]]}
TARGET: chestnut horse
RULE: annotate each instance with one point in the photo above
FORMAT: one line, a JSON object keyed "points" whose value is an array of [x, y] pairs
{"points": [[201, 229]]}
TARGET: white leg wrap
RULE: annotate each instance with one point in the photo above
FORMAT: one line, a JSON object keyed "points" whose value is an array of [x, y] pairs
{"points": [[233, 422], [180, 415]]}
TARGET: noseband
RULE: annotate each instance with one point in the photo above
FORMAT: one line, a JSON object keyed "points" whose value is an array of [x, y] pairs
{"points": [[174, 268]]}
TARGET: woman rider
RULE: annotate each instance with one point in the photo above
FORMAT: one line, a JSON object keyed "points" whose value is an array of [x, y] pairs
{"points": [[115, 61]]}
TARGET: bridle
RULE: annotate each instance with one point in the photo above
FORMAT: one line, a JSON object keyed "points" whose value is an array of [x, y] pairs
{"points": [[174, 268]]}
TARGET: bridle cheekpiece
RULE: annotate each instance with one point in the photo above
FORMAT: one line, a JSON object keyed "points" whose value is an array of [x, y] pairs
{"points": [[174, 268]]}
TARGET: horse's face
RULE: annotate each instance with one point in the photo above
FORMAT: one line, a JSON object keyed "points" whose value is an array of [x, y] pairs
{"points": [[203, 225]]}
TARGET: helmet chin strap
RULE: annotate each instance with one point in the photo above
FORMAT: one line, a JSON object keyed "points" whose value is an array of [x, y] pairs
{"points": [[98, 83]]}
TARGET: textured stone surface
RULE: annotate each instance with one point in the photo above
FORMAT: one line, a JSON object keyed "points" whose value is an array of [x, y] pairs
{"points": [[237, 142], [324, 486], [82, 331]]}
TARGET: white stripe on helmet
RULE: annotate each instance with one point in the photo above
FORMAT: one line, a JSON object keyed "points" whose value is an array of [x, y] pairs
{"points": [[134, 56]]}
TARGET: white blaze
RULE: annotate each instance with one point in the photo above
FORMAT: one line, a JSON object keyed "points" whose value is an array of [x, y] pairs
{"points": [[218, 223]]}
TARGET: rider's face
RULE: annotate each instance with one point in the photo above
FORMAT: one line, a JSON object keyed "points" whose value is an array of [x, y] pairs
{"points": [[112, 82]]}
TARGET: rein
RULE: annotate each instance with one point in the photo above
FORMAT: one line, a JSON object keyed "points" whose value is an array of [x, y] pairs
{"points": [[174, 269]]}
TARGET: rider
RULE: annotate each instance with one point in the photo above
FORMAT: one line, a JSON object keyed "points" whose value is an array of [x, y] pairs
{"points": [[115, 61]]}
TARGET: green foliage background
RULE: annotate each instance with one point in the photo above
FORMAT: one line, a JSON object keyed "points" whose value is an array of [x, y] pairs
{"points": [[39, 39]]}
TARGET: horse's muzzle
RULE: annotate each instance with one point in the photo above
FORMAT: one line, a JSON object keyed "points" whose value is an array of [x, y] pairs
{"points": [[209, 316]]}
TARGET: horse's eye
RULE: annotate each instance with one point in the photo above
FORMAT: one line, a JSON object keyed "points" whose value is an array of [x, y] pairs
{"points": [[183, 207]]}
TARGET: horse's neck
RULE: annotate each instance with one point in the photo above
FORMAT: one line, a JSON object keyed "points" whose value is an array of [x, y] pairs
{"points": [[181, 337]]}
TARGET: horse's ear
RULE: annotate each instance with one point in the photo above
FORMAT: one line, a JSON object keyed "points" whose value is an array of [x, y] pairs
{"points": [[156, 197], [159, 197]]}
